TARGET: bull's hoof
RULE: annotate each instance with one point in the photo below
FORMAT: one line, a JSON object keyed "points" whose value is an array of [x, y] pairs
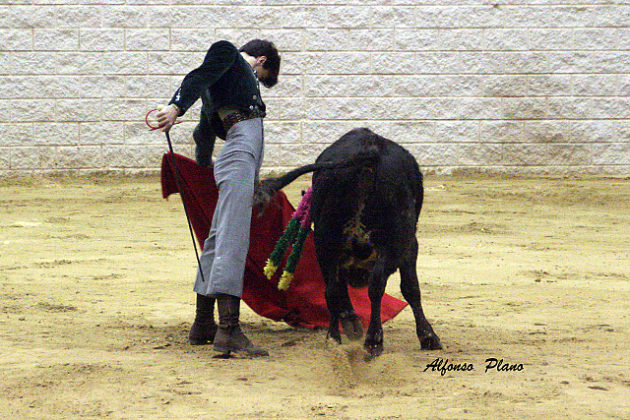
{"points": [[373, 349], [352, 327], [431, 342], [374, 343], [334, 335]]}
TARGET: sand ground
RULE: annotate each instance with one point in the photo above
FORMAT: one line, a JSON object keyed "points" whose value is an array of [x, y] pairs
{"points": [[96, 301]]}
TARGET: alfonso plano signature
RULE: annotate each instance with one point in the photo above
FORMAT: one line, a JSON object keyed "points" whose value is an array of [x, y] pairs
{"points": [[491, 364]]}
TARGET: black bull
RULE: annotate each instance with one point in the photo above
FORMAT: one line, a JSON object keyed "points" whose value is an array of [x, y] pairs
{"points": [[367, 196]]}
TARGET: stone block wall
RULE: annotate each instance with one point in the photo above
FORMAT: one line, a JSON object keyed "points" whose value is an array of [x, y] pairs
{"points": [[533, 86]]}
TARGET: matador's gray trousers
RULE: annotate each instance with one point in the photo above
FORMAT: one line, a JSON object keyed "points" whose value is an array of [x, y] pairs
{"points": [[236, 173]]}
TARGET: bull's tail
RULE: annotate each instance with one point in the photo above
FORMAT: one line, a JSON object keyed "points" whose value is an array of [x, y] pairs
{"points": [[269, 187]]}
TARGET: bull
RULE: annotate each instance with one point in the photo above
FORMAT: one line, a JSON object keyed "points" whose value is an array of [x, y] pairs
{"points": [[366, 200]]}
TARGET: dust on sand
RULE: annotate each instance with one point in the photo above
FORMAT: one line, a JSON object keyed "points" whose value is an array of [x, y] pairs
{"points": [[96, 301]]}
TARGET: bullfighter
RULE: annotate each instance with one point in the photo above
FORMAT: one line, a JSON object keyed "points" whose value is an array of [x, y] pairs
{"points": [[232, 108]]}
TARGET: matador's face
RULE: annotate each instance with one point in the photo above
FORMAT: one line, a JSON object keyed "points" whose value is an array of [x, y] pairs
{"points": [[261, 72]]}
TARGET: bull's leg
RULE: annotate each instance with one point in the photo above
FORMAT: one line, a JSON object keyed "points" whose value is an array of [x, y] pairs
{"points": [[330, 271], [327, 256], [411, 292], [340, 307], [383, 268], [332, 302], [350, 321]]}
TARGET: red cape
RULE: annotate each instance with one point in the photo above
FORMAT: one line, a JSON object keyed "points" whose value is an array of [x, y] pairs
{"points": [[303, 304]]}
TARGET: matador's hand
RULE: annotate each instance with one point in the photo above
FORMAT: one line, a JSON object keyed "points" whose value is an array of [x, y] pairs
{"points": [[166, 117]]}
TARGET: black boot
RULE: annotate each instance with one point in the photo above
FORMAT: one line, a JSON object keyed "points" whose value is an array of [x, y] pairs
{"points": [[229, 337], [204, 328]]}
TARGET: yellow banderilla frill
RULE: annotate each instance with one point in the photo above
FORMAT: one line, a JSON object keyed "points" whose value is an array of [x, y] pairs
{"points": [[270, 269], [285, 280], [296, 232]]}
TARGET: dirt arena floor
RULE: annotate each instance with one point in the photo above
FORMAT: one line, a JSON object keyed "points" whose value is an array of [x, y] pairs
{"points": [[96, 301]]}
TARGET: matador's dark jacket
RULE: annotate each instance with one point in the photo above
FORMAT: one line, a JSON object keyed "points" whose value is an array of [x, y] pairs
{"points": [[223, 79]]}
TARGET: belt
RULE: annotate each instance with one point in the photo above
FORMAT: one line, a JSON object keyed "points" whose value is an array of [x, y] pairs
{"points": [[239, 116]]}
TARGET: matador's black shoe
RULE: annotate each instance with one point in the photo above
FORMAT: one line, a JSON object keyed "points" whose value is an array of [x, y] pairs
{"points": [[204, 328], [230, 337]]}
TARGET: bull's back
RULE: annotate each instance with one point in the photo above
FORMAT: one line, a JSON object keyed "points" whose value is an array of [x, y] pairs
{"points": [[379, 189]]}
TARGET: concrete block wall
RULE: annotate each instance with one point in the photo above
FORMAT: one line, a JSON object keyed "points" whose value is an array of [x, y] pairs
{"points": [[534, 86]]}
